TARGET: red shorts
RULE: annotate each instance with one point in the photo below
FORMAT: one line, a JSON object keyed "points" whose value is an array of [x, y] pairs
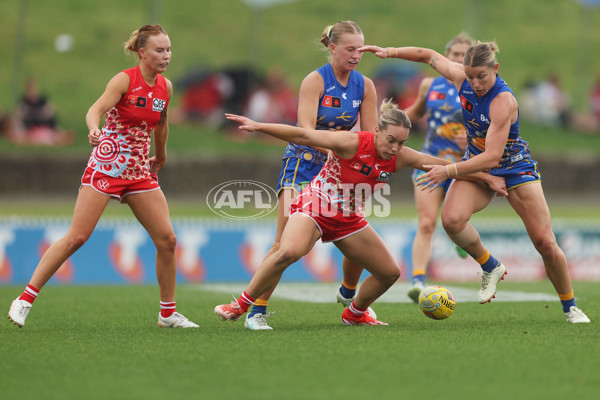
{"points": [[116, 187], [334, 225]]}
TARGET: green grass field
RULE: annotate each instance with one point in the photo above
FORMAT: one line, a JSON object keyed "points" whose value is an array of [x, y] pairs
{"points": [[103, 343]]}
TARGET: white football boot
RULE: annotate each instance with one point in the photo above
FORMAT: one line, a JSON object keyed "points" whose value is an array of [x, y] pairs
{"points": [[576, 316], [18, 312], [176, 320], [489, 281], [258, 322]]}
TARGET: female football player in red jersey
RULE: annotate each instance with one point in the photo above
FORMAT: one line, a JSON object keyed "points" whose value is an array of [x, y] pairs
{"points": [[134, 103], [332, 97], [491, 114], [331, 206]]}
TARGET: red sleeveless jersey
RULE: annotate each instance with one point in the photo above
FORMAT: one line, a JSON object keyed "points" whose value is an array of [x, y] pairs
{"points": [[127, 133], [347, 183]]}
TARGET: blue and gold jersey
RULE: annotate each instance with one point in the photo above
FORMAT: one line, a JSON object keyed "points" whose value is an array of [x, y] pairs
{"points": [[339, 107], [477, 121], [444, 121]]}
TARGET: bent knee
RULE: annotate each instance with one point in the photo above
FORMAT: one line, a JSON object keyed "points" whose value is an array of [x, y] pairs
{"points": [[453, 222], [287, 255], [167, 242], [546, 245], [392, 274], [76, 241]]}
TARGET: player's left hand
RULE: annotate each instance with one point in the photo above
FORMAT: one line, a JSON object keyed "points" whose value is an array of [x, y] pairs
{"points": [[436, 175], [156, 164], [498, 185]]}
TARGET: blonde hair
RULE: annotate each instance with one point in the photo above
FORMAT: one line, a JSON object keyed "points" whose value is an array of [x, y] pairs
{"points": [[461, 38], [390, 114], [481, 54], [140, 36], [333, 33]]}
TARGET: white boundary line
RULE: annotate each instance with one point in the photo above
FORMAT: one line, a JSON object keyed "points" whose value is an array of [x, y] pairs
{"points": [[325, 293]]}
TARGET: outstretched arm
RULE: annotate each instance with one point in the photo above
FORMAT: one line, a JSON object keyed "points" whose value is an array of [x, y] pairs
{"points": [[344, 143], [450, 70]]}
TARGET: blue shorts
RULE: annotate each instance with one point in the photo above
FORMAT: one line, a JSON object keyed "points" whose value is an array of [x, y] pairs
{"points": [[300, 165], [417, 173], [519, 175], [296, 174]]}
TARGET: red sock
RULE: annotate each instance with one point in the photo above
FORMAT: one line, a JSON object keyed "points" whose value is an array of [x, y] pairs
{"points": [[245, 301], [30, 294], [357, 311], [167, 309]]}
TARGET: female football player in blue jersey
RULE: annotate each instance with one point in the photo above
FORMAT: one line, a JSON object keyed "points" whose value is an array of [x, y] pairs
{"points": [[332, 97], [445, 138], [491, 116]]}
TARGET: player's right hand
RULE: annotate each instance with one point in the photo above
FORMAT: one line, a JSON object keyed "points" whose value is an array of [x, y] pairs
{"points": [[94, 137]]}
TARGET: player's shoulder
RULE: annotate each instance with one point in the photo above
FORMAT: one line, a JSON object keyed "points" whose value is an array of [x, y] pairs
{"points": [[313, 80]]}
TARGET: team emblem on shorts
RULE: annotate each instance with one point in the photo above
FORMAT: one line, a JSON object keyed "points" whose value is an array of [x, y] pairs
{"points": [[308, 156], [103, 184]]}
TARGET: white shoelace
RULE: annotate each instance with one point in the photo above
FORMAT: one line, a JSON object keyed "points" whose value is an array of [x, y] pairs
{"points": [[262, 318]]}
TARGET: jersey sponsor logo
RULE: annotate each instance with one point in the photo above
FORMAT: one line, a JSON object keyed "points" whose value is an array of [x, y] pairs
{"points": [[344, 96], [331, 102], [330, 89], [466, 104], [136, 89], [356, 103], [436, 96], [484, 118], [141, 102], [158, 105]]}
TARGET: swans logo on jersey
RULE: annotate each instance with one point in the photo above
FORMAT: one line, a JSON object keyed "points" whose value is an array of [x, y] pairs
{"points": [[466, 104], [158, 105], [331, 102], [437, 96], [141, 102], [242, 199]]}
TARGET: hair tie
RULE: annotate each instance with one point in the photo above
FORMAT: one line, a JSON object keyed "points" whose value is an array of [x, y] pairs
{"points": [[329, 31]]}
